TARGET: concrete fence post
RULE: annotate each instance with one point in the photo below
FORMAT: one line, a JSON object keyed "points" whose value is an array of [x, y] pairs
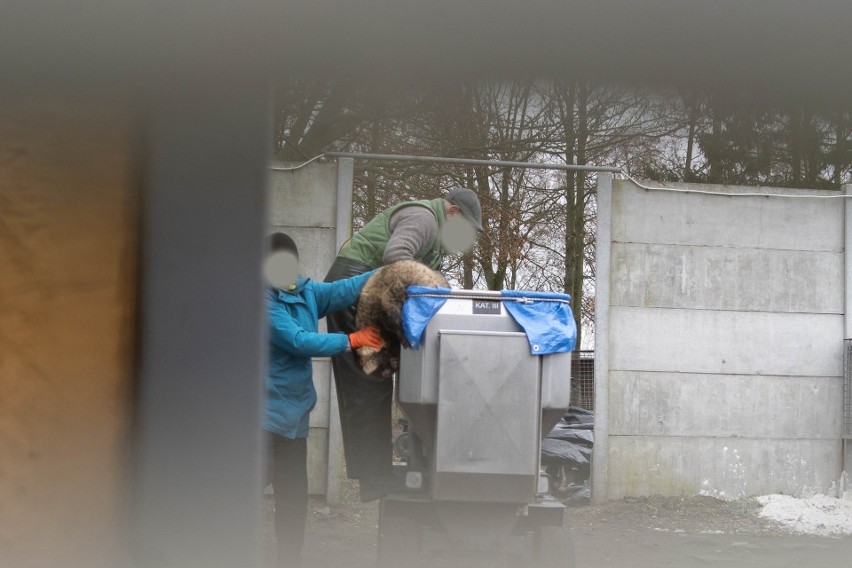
{"points": [[343, 226], [603, 248], [846, 450]]}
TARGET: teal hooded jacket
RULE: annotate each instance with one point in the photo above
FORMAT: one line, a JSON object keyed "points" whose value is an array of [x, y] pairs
{"points": [[293, 317]]}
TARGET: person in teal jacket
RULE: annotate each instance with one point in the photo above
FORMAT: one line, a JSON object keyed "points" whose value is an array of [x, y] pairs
{"points": [[294, 307]]}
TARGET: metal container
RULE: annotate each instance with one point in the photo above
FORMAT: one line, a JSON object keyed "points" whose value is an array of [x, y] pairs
{"points": [[479, 402]]}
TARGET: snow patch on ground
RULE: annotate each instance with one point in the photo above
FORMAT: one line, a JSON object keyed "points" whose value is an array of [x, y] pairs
{"points": [[817, 515]]}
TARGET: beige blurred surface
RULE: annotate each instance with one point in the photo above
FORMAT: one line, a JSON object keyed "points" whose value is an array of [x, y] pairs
{"points": [[68, 190]]}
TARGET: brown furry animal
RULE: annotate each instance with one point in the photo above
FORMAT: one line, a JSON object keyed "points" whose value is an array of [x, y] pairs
{"points": [[380, 305]]}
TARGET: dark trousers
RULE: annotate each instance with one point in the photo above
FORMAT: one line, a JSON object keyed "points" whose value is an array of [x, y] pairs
{"points": [[364, 401], [288, 472]]}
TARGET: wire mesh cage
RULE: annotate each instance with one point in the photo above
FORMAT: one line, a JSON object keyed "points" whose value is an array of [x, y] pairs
{"points": [[583, 380], [847, 388]]}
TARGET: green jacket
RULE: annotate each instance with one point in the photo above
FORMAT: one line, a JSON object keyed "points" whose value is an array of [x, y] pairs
{"points": [[367, 246]]}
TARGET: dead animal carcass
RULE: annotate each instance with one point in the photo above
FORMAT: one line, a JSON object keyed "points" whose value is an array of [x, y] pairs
{"points": [[380, 305]]}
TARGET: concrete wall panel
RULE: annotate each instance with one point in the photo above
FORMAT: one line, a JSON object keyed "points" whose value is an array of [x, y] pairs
{"points": [[704, 341], [727, 468], [744, 222], [722, 334], [741, 406], [725, 278], [304, 204], [311, 196]]}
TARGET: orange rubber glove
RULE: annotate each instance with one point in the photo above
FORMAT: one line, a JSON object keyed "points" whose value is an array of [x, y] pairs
{"points": [[367, 337]]}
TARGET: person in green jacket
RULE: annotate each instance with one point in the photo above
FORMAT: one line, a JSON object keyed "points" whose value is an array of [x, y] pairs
{"points": [[412, 230]]}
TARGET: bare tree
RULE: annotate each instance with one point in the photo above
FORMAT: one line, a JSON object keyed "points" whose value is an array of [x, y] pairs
{"points": [[540, 224]]}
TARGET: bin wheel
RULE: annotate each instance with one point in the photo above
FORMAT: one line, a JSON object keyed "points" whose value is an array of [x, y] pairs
{"points": [[555, 549], [401, 446]]}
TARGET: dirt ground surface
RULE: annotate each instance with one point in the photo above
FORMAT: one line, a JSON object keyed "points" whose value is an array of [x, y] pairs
{"points": [[633, 533]]}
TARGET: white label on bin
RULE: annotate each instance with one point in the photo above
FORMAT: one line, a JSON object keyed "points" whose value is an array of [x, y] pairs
{"points": [[486, 307]]}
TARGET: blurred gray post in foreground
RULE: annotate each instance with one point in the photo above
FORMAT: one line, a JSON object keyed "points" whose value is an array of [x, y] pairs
{"points": [[198, 470]]}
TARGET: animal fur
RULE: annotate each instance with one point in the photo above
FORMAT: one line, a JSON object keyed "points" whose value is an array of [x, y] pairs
{"points": [[380, 305]]}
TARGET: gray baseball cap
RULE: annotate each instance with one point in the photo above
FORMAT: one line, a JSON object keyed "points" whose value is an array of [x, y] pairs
{"points": [[468, 203]]}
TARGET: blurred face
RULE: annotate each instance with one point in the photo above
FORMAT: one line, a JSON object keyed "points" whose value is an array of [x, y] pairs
{"points": [[457, 234], [281, 269]]}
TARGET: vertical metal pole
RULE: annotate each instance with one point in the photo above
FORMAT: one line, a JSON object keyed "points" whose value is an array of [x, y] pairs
{"points": [[603, 249], [343, 225], [198, 467]]}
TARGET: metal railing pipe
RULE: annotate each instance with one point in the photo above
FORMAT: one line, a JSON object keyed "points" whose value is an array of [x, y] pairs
{"points": [[470, 162]]}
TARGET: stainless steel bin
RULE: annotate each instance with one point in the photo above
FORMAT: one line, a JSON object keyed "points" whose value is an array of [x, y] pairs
{"points": [[478, 403]]}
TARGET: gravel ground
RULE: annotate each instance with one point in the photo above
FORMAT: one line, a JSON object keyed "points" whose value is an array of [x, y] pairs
{"points": [[696, 515], [632, 533]]}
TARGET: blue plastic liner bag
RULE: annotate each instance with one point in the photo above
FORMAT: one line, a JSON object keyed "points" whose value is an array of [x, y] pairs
{"points": [[420, 305], [546, 318]]}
